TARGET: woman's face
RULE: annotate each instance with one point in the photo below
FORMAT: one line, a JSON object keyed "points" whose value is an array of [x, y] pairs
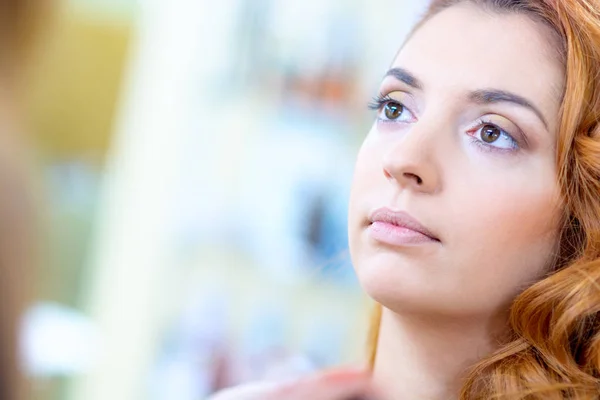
{"points": [[464, 145]]}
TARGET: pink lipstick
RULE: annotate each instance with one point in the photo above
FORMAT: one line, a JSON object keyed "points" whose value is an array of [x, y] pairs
{"points": [[398, 228]]}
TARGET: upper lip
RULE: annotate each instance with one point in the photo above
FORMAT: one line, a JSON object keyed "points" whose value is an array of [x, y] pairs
{"points": [[402, 219]]}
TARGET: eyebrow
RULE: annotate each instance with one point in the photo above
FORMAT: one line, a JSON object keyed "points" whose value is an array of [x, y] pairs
{"points": [[483, 96], [490, 96], [404, 76]]}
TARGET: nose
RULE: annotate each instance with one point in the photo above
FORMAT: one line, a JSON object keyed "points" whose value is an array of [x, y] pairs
{"points": [[411, 162]]}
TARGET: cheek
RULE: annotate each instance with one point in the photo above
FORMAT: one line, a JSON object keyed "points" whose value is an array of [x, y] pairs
{"points": [[508, 214], [367, 182], [368, 174], [516, 229]]}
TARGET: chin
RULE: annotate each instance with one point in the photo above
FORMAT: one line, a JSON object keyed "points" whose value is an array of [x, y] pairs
{"points": [[405, 285], [390, 280]]}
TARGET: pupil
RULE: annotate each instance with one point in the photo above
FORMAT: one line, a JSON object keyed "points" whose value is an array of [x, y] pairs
{"points": [[393, 110], [490, 133]]}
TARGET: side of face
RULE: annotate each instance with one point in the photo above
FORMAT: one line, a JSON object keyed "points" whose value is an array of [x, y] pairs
{"points": [[464, 142]]}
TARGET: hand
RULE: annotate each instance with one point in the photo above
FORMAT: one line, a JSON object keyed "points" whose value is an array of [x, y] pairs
{"points": [[334, 385]]}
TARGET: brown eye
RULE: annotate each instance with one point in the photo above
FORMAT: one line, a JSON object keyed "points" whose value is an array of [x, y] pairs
{"points": [[490, 133], [393, 110]]}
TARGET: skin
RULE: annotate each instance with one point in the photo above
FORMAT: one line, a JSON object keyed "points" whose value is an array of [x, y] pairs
{"points": [[496, 212], [493, 205]]}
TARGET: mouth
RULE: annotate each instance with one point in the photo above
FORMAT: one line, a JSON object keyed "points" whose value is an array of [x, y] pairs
{"points": [[398, 228]]}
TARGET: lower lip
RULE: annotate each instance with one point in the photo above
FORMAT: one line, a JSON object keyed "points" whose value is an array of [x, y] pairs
{"points": [[397, 235]]}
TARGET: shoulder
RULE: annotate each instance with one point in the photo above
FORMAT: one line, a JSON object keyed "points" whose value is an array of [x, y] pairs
{"points": [[252, 391]]}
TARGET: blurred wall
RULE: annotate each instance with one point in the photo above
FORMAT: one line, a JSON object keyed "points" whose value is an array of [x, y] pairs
{"points": [[73, 88]]}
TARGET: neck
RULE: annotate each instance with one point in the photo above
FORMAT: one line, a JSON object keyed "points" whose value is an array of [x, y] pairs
{"points": [[425, 358]]}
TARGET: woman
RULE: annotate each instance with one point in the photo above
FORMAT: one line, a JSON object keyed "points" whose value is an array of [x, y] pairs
{"points": [[475, 212]]}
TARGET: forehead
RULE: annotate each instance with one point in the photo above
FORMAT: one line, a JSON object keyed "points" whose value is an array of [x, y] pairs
{"points": [[466, 47]]}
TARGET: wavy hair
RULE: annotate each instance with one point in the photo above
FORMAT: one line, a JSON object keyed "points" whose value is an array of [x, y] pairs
{"points": [[553, 351]]}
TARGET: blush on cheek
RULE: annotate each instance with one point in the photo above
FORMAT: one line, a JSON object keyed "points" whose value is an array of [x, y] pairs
{"points": [[516, 205], [535, 213], [517, 226]]}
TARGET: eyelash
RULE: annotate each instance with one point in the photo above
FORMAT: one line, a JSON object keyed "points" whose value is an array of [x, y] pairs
{"points": [[379, 101]]}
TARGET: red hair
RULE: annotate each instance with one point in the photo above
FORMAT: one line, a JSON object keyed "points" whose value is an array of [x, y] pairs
{"points": [[553, 351]]}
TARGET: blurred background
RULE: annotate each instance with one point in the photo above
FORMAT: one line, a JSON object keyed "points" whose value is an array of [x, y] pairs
{"points": [[194, 162]]}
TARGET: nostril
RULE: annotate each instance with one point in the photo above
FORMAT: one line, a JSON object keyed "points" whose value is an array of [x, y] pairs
{"points": [[417, 178]]}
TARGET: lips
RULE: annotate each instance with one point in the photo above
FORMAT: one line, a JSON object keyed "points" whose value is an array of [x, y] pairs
{"points": [[400, 222]]}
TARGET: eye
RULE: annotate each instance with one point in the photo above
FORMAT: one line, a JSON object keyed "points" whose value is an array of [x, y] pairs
{"points": [[395, 111], [391, 110], [493, 136], [490, 133]]}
